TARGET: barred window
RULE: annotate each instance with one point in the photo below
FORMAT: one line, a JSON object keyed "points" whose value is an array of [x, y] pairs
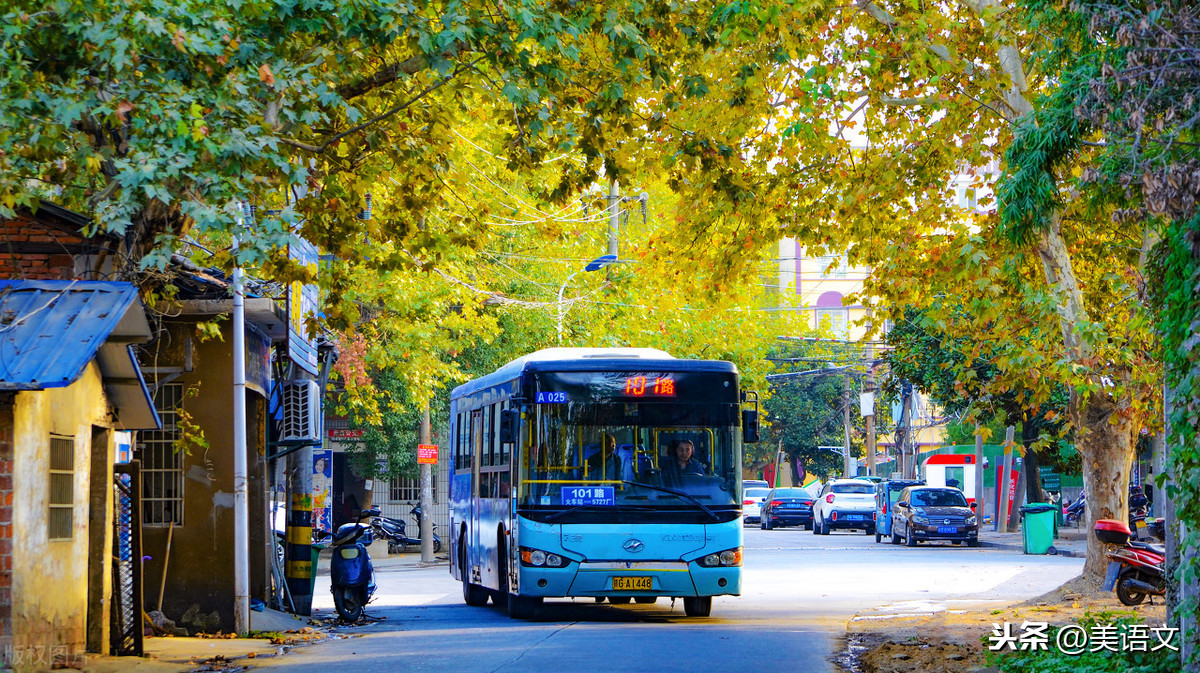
{"points": [[838, 262], [162, 464], [404, 489], [62, 487], [838, 321]]}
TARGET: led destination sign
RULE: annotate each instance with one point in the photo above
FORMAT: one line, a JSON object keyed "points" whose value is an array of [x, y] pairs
{"points": [[635, 386], [641, 386], [644, 386]]}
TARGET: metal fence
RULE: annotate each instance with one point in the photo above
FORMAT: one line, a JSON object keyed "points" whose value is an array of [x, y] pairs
{"points": [[126, 629], [401, 497]]}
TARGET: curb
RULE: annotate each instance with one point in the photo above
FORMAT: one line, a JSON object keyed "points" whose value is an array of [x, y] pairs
{"points": [[1019, 547]]}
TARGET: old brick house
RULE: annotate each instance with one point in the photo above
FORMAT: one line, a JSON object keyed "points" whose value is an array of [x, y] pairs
{"points": [[69, 382], [51, 245]]}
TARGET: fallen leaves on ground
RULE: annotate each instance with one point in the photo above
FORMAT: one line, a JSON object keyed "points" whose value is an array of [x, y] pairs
{"points": [[952, 642]]}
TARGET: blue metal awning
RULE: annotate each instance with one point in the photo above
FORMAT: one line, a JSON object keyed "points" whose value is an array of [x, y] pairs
{"points": [[50, 330]]}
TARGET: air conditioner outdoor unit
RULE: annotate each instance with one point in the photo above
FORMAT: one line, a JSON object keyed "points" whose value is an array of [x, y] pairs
{"points": [[301, 402]]}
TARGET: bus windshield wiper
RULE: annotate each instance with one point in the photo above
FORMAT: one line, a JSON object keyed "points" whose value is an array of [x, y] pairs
{"points": [[558, 515], [681, 494]]}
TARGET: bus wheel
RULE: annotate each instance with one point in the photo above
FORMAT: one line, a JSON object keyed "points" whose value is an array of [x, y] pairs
{"points": [[473, 594], [697, 606]]}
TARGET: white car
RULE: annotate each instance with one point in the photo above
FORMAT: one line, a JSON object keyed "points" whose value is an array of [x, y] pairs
{"points": [[752, 500], [845, 503]]}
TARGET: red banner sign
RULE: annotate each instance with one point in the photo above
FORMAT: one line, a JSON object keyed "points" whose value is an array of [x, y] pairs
{"points": [[345, 434], [427, 454]]}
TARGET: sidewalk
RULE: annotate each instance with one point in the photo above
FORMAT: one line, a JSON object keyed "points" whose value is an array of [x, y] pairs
{"points": [[167, 654], [1071, 541], [178, 655]]}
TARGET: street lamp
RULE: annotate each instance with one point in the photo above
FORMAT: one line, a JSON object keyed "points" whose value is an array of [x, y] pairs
{"points": [[594, 265]]}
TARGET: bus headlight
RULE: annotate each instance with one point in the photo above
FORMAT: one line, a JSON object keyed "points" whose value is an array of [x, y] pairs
{"points": [[727, 558], [539, 559]]}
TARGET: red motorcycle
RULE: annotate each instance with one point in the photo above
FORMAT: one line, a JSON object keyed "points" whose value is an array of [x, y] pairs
{"points": [[1135, 569]]}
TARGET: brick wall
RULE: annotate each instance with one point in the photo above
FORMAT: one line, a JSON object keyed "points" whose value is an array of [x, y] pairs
{"points": [[44, 246], [6, 491]]}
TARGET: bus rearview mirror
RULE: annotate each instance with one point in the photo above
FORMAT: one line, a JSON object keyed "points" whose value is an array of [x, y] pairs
{"points": [[749, 426], [509, 420]]}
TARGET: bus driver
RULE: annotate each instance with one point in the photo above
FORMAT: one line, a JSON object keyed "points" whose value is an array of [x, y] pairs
{"points": [[681, 461]]}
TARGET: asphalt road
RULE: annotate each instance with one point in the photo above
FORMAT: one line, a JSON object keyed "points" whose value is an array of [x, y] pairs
{"points": [[799, 590]]}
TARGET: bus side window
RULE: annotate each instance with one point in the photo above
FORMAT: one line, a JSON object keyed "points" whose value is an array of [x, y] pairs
{"points": [[460, 442], [485, 450], [466, 441], [504, 448]]}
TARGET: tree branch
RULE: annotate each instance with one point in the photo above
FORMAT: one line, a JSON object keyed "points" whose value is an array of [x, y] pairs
{"points": [[386, 75], [378, 118], [877, 12], [492, 298]]}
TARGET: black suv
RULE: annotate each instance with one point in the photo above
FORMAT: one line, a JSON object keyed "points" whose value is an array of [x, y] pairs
{"points": [[934, 513]]}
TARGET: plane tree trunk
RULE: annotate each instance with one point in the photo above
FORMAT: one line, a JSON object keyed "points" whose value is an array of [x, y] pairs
{"points": [[1105, 439]]}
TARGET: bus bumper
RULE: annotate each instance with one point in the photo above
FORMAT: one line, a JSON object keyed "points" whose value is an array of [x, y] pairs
{"points": [[586, 579]]}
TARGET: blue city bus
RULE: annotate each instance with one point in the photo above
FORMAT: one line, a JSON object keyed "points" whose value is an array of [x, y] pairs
{"points": [[569, 479]]}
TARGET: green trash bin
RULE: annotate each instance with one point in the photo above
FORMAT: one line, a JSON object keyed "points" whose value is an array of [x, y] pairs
{"points": [[1038, 528], [316, 553]]}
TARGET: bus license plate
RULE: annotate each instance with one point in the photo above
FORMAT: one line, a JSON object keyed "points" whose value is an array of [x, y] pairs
{"points": [[947, 529], [632, 584]]}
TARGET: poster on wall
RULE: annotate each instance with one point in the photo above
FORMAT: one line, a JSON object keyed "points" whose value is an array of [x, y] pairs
{"points": [[322, 484]]}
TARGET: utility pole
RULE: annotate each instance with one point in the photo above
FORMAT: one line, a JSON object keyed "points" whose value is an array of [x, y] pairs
{"points": [[241, 511], [902, 440], [778, 464], [614, 216], [868, 409], [1006, 476], [299, 568], [867, 402], [848, 468], [614, 223], [979, 506], [426, 530]]}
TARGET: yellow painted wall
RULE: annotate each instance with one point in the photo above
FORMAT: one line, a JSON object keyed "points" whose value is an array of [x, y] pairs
{"points": [[50, 585]]}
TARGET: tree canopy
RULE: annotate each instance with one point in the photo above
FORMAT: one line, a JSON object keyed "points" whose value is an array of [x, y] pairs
{"points": [[159, 118], [477, 127]]}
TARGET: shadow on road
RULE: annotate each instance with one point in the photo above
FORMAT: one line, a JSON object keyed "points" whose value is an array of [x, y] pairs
{"points": [[581, 611]]}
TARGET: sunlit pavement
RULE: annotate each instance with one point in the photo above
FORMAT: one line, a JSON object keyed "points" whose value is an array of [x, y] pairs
{"points": [[798, 592]]}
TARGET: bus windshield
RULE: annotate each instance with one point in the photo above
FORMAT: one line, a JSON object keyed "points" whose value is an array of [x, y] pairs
{"points": [[602, 462]]}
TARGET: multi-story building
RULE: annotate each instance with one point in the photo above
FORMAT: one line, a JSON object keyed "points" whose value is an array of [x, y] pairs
{"points": [[821, 287], [826, 288]]}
